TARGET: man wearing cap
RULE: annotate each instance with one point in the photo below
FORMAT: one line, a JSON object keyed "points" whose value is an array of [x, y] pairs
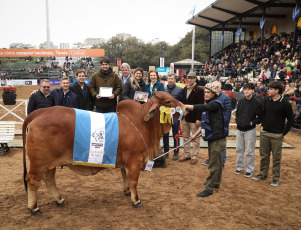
{"points": [[193, 94], [213, 130]]}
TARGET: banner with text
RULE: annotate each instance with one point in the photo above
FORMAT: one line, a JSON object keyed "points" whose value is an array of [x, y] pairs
{"points": [[52, 52], [25, 82]]}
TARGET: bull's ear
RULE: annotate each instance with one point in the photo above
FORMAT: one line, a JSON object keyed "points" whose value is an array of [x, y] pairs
{"points": [[151, 113]]}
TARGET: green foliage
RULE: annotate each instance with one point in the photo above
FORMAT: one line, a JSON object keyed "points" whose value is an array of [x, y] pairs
{"points": [[139, 54]]}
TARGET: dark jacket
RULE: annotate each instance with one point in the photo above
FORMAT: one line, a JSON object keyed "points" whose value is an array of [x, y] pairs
{"points": [[176, 91], [196, 97], [68, 100], [128, 91], [213, 111], [39, 100], [158, 86], [100, 79], [248, 111], [84, 98]]}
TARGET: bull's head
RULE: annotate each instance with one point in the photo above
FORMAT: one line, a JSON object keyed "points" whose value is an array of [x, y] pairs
{"points": [[163, 99]]}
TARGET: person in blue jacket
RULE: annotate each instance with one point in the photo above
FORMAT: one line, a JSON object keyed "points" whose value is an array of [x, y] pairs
{"points": [[153, 84], [63, 96]]}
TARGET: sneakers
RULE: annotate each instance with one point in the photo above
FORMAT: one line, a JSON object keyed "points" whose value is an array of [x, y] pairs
{"points": [[248, 174], [206, 162], [237, 172], [175, 157], [259, 177], [204, 193], [275, 183]]}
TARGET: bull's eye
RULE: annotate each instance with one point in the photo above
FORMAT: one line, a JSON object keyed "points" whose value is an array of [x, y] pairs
{"points": [[168, 102]]}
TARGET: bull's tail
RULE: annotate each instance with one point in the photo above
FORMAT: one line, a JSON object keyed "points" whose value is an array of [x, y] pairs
{"points": [[27, 120]]}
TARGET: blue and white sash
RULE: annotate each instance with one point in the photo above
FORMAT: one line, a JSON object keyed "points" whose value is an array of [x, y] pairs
{"points": [[96, 139]]}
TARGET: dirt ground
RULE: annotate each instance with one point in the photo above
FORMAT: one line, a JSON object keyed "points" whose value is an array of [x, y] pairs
{"points": [[168, 195]]}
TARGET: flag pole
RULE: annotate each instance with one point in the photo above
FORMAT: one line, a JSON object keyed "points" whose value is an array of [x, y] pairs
{"points": [[192, 53]]}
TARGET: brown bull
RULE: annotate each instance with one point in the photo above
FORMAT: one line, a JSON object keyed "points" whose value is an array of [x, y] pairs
{"points": [[50, 147]]}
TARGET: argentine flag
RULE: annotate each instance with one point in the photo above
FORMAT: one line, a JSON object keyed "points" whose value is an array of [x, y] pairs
{"points": [[96, 139]]}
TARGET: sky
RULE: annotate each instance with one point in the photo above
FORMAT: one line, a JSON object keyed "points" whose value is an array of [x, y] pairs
{"points": [[71, 21]]}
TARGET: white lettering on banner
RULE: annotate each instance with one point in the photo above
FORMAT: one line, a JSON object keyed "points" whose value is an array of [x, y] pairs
{"points": [[61, 53], [77, 52], [25, 53], [9, 53], [48, 53]]}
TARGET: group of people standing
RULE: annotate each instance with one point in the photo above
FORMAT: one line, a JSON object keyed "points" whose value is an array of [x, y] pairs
{"points": [[211, 118]]}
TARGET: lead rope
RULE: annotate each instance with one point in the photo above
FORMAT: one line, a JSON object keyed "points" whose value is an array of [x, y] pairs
{"points": [[174, 148], [137, 131]]}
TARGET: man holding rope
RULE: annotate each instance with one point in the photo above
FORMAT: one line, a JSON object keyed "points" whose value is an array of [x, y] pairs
{"points": [[213, 129]]}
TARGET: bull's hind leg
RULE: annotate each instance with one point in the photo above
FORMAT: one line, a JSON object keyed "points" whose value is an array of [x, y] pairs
{"points": [[133, 173], [49, 179], [126, 187], [33, 186]]}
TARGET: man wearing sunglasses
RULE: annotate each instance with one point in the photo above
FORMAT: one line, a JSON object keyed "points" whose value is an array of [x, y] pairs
{"points": [[42, 99]]}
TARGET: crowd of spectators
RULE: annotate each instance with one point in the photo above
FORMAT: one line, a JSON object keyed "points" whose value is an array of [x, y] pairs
{"points": [[275, 61]]}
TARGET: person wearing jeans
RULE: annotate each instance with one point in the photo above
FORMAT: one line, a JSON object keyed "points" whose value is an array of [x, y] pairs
{"points": [[177, 92]]}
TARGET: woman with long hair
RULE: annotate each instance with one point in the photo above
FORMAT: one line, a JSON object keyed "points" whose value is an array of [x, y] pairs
{"points": [[133, 84], [154, 83]]}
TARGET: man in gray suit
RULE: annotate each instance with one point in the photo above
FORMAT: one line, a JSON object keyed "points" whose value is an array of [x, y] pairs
{"points": [[126, 74]]}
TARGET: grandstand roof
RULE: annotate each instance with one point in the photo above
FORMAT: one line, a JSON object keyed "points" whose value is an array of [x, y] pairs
{"points": [[229, 12]]}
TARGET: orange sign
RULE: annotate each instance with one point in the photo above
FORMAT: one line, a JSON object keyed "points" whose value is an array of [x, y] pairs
{"points": [[52, 52]]}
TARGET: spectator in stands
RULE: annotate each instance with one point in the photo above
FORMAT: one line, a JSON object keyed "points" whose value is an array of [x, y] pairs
{"points": [[276, 123], [273, 72], [248, 114], [81, 89], [42, 99], [289, 90], [177, 92], [154, 83], [213, 130], [133, 84], [193, 94], [295, 74], [261, 89], [298, 91], [228, 86], [105, 78], [63, 96]]}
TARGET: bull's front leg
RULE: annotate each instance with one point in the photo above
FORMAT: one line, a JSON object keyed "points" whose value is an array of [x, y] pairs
{"points": [[133, 172], [126, 187]]}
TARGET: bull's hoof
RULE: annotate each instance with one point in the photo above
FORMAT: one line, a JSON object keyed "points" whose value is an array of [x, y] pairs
{"points": [[62, 204], [36, 212], [139, 205]]}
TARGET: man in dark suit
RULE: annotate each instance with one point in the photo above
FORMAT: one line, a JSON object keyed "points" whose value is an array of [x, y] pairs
{"points": [[193, 94], [81, 89], [273, 72]]}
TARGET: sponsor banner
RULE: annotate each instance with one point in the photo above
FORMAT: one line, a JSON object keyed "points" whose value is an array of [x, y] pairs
{"points": [[118, 62], [55, 81], [52, 52], [172, 67], [25, 82], [87, 81], [163, 69]]}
